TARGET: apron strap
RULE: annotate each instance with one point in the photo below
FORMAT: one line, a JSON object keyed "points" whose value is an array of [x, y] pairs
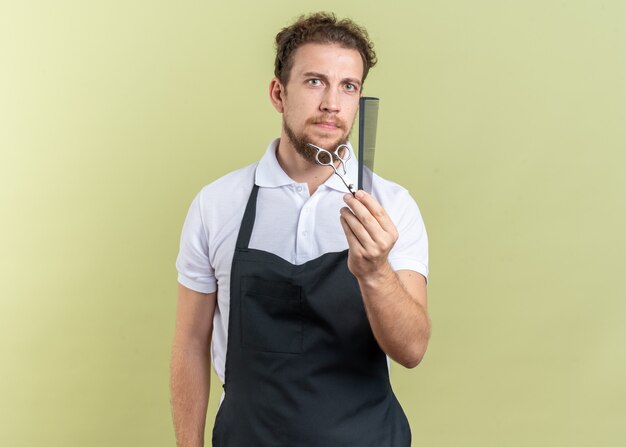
{"points": [[247, 223]]}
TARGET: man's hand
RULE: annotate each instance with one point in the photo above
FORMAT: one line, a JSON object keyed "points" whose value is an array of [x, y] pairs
{"points": [[370, 232], [395, 302]]}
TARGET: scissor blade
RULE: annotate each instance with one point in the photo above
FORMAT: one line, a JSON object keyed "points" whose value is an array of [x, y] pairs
{"points": [[368, 121]]}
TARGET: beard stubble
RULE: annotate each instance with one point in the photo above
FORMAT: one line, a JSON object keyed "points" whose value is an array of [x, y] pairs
{"points": [[301, 142]]}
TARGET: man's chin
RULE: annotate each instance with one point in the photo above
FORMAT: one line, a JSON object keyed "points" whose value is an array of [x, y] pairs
{"points": [[325, 140], [329, 143]]}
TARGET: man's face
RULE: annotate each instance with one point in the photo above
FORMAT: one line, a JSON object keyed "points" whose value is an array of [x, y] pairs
{"points": [[321, 97]]}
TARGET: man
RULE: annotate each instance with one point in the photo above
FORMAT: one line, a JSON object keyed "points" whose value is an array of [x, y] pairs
{"points": [[301, 290]]}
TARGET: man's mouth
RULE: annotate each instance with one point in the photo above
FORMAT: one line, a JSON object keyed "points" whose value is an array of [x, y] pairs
{"points": [[331, 125]]}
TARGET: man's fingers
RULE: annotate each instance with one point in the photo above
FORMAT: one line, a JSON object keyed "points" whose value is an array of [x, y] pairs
{"points": [[376, 210], [372, 215], [354, 228]]}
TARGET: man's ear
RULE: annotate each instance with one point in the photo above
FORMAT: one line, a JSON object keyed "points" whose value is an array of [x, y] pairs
{"points": [[277, 95]]}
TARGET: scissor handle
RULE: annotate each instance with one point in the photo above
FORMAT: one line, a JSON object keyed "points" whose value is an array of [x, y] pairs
{"points": [[326, 153], [331, 157], [346, 152]]}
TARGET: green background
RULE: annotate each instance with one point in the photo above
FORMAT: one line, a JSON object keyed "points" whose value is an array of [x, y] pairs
{"points": [[504, 119]]}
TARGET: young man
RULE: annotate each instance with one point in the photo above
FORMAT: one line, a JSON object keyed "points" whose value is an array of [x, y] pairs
{"points": [[300, 289]]}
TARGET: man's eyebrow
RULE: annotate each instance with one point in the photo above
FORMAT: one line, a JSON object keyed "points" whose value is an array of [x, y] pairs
{"points": [[324, 78]]}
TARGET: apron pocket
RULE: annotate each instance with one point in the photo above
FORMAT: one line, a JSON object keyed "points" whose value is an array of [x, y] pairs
{"points": [[271, 315]]}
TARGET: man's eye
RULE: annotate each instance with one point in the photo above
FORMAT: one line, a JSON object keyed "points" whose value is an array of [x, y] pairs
{"points": [[314, 82], [351, 87]]}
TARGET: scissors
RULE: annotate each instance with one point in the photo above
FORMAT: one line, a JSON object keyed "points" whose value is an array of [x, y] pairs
{"points": [[328, 160]]}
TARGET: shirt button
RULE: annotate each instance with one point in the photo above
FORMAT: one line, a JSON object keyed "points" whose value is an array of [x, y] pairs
{"points": [[299, 188], [305, 233]]}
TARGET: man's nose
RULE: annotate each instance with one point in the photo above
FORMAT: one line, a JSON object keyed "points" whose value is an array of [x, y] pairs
{"points": [[330, 101]]}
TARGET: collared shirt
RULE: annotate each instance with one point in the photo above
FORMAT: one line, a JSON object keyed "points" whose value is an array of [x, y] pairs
{"points": [[289, 223]]}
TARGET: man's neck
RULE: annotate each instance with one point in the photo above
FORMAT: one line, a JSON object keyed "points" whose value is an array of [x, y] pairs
{"points": [[298, 169]]}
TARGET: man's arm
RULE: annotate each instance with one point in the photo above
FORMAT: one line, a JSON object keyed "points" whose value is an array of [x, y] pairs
{"points": [[191, 363], [395, 302]]}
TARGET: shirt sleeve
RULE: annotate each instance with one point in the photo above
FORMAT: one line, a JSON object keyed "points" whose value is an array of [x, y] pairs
{"points": [[411, 249], [194, 267]]}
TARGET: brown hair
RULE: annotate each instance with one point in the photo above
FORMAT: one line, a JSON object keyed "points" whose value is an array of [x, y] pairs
{"points": [[321, 27]]}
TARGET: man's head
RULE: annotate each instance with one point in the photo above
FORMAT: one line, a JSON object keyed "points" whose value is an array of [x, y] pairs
{"points": [[321, 64], [322, 28]]}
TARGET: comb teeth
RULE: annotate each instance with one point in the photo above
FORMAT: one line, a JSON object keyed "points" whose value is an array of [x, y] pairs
{"points": [[368, 120]]}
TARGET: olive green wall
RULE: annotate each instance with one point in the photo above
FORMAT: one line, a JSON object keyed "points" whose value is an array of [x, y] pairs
{"points": [[504, 119]]}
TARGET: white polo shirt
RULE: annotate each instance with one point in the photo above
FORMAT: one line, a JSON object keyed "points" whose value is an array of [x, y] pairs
{"points": [[289, 222]]}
